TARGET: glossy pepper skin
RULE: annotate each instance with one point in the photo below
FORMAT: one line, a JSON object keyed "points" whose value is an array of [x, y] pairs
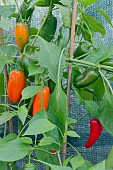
{"points": [[29, 166], [43, 95], [85, 78], [21, 35], [48, 30], [16, 84], [95, 131]]}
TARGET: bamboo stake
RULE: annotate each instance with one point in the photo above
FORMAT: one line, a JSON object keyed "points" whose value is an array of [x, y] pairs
{"points": [[70, 66]]}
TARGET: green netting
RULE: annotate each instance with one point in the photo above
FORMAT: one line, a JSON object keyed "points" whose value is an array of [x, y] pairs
{"points": [[100, 149]]}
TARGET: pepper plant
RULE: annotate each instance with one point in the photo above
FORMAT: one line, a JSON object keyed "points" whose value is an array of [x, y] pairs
{"points": [[37, 73]]}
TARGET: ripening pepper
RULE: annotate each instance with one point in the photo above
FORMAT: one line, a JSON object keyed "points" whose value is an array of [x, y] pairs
{"points": [[41, 100], [16, 84], [21, 35]]}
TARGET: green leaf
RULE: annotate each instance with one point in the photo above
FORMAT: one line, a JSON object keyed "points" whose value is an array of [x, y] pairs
{"points": [[47, 141], [10, 137], [10, 50], [109, 161], [55, 167], [85, 166], [39, 3], [48, 57], [92, 107], [54, 134], [94, 24], [43, 154], [77, 161], [1, 141], [57, 108], [106, 112], [71, 121], [4, 1], [89, 2], [5, 25], [6, 116], [34, 69], [65, 163], [22, 114], [86, 93], [66, 2], [40, 115], [104, 15], [30, 91], [57, 111], [32, 32], [43, 3], [99, 89], [26, 140], [98, 166], [3, 165], [3, 61], [72, 134], [39, 126], [7, 10], [66, 15], [14, 150], [77, 94], [100, 54]]}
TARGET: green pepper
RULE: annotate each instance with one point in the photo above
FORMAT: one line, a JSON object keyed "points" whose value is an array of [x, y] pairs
{"points": [[45, 3], [86, 78], [29, 166], [48, 30], [108, 62], [51, 85], [83, 48], [63, 38], [25, 11]]}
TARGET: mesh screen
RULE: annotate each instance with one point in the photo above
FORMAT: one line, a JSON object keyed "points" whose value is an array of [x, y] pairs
{"points": [[100, 149]]}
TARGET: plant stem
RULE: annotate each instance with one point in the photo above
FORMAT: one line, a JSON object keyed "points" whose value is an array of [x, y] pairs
{"points": [[22, 129], [73, 148], [74, 61], [82, 117], [103, 77], [82, 62], [30, 104], [82, 56], [70, 68], [18, 9], [59, 159], [35, 139]]}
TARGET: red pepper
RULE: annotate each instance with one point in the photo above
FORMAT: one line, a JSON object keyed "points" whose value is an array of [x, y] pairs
{"points": [[52, 151], [95, 131]]}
